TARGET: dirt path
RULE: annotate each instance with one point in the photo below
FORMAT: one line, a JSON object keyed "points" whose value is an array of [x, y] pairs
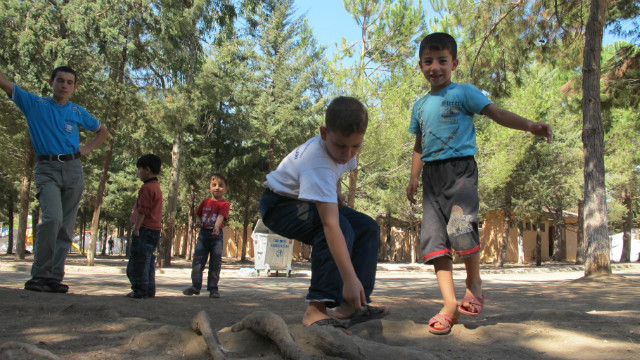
{"points": [[531, 313]]}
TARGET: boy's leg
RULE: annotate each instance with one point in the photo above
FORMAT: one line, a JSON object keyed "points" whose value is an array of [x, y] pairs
{"points": [[47, 178], [443, 267], [215, 264], [200, 257], [153, 238], [364, 251], [364, 235], [151, 291], [135, 254], [299, 220], [473, 281], [142, 265], [71, 193]]}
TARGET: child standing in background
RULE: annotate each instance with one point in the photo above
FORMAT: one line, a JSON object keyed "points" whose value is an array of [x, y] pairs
{"points": [[210, 216], [146, 217]]}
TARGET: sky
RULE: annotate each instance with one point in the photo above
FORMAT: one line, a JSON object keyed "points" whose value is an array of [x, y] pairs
{"points": [[329, 22]]}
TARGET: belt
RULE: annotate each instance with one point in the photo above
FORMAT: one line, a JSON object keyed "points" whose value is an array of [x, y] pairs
{"points": [[60, 157]]}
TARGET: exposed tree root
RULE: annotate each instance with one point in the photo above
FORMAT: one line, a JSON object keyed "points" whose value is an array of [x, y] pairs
{"points": [[200, 324], [32, 351], [273, 327]]}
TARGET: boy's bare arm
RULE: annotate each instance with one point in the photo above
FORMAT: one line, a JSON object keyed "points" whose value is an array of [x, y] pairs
{"points": [[514, 121], [100, 136], [6, 85], [218, 224], [416, 168], [352, 291], [136, 226]]}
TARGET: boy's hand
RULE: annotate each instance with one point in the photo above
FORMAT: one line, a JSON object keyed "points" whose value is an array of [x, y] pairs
{"points": [[412, 189], [353, 294], [541, 129], [216, 231]]}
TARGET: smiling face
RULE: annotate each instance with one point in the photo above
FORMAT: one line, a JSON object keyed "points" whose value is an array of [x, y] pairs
{"points": [[341, 148], [437, 66], [63, 86], [217, 187]]}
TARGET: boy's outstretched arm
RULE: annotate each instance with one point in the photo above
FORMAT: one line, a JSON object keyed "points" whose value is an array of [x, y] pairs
{"points": [[514, 121], [416, 168], [352, 290], [6, 85]]}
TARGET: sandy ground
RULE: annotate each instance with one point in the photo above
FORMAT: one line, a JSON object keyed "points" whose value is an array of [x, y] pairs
{"points": [[550, 312]]}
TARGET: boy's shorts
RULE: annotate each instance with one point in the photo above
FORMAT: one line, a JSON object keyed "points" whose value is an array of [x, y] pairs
{"points": [[450, 208]]}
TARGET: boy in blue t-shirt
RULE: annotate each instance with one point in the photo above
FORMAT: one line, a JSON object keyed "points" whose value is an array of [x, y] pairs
{"points": [[444, 153]]}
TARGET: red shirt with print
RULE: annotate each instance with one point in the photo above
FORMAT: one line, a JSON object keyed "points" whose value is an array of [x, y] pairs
{"points": [[210, 209]]}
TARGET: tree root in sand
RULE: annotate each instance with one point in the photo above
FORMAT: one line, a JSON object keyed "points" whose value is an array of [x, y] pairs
{"points": [[273, 327], [200, 324], [322, 342], [19, 350]]}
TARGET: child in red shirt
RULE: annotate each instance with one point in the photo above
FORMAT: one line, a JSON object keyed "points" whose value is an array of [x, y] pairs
{"points": [[146, 217], [210, 216]]}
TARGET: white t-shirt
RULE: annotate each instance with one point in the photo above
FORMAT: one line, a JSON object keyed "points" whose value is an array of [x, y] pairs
{"points": [[308, 173]]}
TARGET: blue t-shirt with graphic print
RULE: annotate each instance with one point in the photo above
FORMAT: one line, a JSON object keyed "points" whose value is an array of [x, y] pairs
{"points": [[444, 120], [53, 128]]}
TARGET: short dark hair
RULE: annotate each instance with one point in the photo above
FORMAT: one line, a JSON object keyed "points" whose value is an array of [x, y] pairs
{"points": [[219, 176], [66, 69], [151, 161], [439, 41], [346, 115]]}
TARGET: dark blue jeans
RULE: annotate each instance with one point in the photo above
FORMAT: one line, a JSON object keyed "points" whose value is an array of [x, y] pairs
{"points": [[300, 220], [208, 245], [141, 269]]}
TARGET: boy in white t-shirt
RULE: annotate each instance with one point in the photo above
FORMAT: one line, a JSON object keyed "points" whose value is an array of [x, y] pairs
{"points": [[302, 202]]}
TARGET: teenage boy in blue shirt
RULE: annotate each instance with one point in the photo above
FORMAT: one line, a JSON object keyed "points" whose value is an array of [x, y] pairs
{"points": [[444, 153], [53, 126]]}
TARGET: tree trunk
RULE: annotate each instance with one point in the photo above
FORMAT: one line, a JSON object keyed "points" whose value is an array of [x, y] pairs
{"points": [[12, 209], [353, 184], [538, 247], [627, 225], [558, 236], [95, 220], [168, 223], [502, 252], [580, 234], [245, 226], [189, 231], [105, 235], [595, 206], [520, 243], [25, 191], [272, 164], [25, 194], [192, 240]]}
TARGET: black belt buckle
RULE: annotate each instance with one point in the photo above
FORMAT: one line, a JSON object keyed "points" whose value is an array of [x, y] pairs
{"points": [[59, 159]]}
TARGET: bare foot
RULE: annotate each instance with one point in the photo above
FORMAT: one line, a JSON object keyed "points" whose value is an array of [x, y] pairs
{"points": [[316, 310]]}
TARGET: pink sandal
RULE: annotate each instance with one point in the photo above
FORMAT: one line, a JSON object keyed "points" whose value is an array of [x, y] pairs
{"points": [[474, 307], [445, 320]]}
